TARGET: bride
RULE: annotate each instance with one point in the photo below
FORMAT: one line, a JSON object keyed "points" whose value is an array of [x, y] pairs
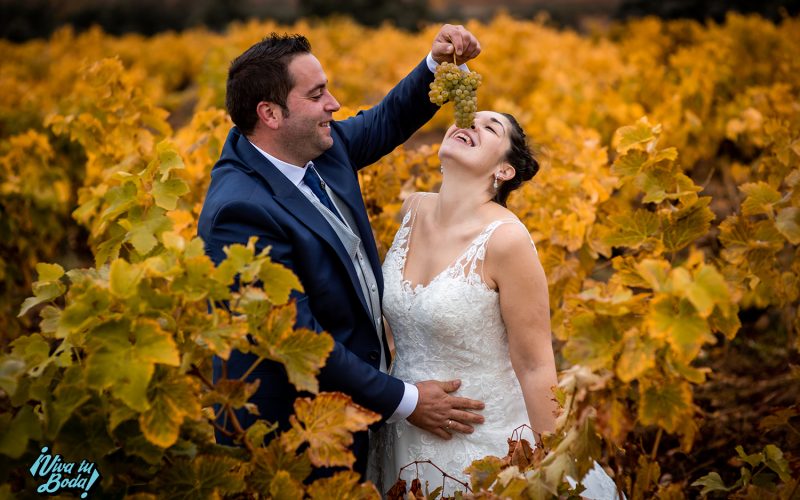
{"points": [[466, 298]]}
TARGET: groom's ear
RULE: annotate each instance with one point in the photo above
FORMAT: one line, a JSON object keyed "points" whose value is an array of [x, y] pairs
{"points": [[270, 114]]}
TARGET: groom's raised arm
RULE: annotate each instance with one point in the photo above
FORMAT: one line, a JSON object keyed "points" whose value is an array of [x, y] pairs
{"points": [[375, 132]]}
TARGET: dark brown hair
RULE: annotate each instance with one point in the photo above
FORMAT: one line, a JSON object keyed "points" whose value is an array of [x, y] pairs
{"points": [[261, 73], [520, 157]]}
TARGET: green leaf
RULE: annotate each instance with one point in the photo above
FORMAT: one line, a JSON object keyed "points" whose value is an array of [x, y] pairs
{"points": [[172, 399], [69, 396], [678, 322], [707, 289], [168, 157], [142, 233], [775, 461], [256, 433], [205, 477], [166, 193], [303, 352], [788, 223], [49, 272], [33, 349], [125, 368], [11, 370], [15, 434], [666, 404], [753, 460], [124, 278], [43, 291]]}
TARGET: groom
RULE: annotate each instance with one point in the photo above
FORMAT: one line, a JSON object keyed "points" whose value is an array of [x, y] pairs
{"points": [[288, 175]]}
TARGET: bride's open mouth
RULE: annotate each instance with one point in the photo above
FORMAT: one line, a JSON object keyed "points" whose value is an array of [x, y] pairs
{"points": [[463, 137]]}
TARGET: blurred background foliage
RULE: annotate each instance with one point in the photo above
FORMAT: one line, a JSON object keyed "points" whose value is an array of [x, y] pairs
{"points": [[24, 20]]}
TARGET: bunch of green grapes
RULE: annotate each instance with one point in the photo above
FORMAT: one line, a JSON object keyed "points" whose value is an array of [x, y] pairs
{"points": [[452, 84]]}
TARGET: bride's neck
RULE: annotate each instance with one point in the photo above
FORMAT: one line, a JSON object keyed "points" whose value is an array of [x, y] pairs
{"points": [[459, 201]]}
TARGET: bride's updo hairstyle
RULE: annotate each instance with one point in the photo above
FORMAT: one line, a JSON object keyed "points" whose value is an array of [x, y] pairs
{"points": [[520, 157]]}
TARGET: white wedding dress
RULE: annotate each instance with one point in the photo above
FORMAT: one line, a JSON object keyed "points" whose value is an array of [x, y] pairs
{"points": [[450, 328]]}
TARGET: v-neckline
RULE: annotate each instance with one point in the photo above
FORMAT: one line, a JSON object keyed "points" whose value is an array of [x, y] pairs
{"points": [[420, 286]]}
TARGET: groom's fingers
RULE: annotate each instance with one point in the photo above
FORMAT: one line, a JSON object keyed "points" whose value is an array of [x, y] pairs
{"points": [[450, 385], [466, 404]]}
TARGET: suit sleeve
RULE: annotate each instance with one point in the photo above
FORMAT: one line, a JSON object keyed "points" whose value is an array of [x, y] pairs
{"points": [[375, 132], [344, 371]]}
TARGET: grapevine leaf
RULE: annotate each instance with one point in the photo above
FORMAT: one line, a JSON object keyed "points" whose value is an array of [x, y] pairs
{"points": [[773, 458], [637, 358], [126, 368], [303, 352], [168, 158], [635, 135], [678, 322], [16, 433], [266, 462], [682, 231], [706, 290], [632, 230], [258, 430], [345, 484], [11, 370], [665, 405], [231, 392], [172, 398], [788, 223], [278, 282], [483, 472], [326, 423], [284, 486], [760, 198], [33, 349], [49, 272], [204, 477], [124, 278], [166, 193], [629, 164], [711, 482], [594, 342]]}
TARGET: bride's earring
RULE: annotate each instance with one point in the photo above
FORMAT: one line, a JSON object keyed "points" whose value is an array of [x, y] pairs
{"points": [[441, 169], [495, 185]]}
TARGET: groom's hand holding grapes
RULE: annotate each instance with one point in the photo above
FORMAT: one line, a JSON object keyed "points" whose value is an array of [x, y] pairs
{"points": [[443, 414], [454, 38]]}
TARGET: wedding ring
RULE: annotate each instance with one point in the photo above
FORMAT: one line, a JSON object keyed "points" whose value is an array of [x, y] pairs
{"points": [[448, 424]]}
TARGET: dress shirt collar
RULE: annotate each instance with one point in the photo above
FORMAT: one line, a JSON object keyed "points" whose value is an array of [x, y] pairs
{"points": [[292, 172]]}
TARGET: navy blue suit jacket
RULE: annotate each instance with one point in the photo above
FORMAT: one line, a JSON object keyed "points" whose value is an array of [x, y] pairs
{"points": [[248, 196]]}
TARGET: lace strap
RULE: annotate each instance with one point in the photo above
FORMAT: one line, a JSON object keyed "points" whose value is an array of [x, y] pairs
{"points": [[409, 219], [474, 258]]}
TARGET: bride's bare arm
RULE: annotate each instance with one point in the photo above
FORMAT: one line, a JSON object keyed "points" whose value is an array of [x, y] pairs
{"points": [[513, 266]]}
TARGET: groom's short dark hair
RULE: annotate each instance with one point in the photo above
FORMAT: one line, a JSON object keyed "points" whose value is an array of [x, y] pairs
{"points": [[261, 73]]}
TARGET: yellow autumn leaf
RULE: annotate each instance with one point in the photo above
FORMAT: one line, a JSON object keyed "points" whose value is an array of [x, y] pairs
{"points": [[327, 424]]}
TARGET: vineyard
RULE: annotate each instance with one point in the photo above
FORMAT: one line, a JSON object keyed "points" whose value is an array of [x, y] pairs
{"points": [[666, 215]]}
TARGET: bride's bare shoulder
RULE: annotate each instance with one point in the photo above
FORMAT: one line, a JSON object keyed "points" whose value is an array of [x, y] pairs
{"points": [[414, 199]]}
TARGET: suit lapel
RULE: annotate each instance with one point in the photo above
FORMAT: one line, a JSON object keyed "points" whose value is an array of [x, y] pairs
{"points": [[296, 204], [340, 179]]}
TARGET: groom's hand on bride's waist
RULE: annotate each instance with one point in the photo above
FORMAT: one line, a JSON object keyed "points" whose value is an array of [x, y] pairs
{"points": [[441, 413]]}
